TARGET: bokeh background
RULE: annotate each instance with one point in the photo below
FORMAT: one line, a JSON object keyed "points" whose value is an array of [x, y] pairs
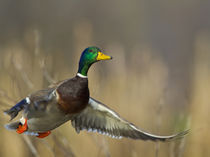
{"points": [[159, 78]]}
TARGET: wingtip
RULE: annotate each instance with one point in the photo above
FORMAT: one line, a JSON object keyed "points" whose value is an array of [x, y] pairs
{"points": [[184, 133], [179, 135], [6, 112], [11, 113]]}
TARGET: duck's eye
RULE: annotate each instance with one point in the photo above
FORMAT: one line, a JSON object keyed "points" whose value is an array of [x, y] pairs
{"points": [[90, 50]]}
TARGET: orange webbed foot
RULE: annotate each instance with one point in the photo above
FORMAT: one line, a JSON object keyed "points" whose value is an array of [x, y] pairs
{"points": [[22, 127], [43, 134]]}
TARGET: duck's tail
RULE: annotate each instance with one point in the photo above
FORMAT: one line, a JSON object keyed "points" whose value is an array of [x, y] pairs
{"points": [[13, 112], [12, 126], [15, 125]]}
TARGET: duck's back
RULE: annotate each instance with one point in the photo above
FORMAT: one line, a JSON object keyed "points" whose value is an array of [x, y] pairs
{"points": [[73, 95]]}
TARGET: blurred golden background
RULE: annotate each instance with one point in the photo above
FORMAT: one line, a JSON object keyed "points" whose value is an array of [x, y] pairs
{"points": [[159, 78]]}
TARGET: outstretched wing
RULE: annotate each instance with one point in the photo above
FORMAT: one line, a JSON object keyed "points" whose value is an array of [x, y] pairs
{"points": [[98, 117]]}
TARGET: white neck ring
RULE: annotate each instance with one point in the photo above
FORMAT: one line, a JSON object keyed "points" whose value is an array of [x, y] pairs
{"points": [[82, 76]]}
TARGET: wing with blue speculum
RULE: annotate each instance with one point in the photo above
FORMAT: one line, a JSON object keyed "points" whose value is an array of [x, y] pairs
{"points": [[35, 102], [13, 112]]}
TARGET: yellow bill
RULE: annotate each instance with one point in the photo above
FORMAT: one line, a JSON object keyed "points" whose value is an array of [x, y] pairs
{"points": [[102, 56]]}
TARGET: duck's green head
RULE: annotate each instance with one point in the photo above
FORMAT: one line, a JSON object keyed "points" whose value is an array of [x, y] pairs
{"points": [[89, 56]]}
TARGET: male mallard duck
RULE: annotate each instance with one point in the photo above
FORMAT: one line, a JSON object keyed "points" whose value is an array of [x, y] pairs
{"points": [[67, 100]]}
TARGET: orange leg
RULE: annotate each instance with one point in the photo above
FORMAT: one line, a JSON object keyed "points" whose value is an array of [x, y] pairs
{"points": [[22, 128], [43, 134]]}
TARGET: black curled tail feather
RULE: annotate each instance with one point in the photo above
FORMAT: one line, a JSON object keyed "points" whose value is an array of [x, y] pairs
{"points": [[13, 112]]}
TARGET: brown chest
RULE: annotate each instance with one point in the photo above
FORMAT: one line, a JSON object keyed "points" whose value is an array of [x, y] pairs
{"points": [[73, 95]]}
